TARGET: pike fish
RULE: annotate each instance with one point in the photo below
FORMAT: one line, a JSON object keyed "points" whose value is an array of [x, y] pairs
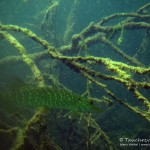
{"points": [[49, 97]]}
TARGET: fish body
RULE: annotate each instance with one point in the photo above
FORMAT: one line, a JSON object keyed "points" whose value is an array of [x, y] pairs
{"points": [[48, 97]]}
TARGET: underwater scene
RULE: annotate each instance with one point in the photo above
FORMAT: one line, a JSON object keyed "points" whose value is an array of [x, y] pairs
{"points": [[74, 74]]}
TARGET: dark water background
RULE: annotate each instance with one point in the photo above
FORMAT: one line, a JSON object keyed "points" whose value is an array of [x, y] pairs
{"points": [[116, 121]]}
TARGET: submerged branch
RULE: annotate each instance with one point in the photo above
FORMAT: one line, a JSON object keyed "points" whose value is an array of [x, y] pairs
{"points": [[91, 35]]}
